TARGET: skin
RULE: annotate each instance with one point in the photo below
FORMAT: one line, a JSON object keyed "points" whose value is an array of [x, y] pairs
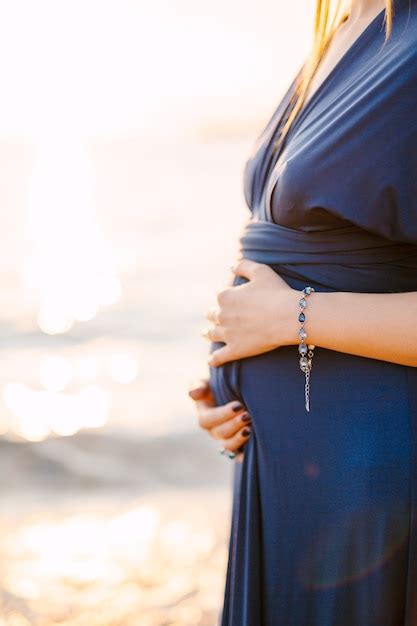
{"points": [[361, 14], [229, 424], [367, 325], [261, 315]]}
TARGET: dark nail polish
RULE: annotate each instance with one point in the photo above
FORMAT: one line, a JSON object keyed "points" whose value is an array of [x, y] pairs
{"points": [[237, 407], [246, 417], [246, 432]]}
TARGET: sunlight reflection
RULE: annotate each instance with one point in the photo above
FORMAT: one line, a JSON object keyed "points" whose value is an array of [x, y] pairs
{"points": [[75, 391], [123, 368], [40, 413], [53, 318], [87, 367], [70, 265], [93, 405], [55, 373], [144, 562]]}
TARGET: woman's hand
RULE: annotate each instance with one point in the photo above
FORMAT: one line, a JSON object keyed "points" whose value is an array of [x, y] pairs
{"points": [[261, 315], [229, 423], [254, 317]]}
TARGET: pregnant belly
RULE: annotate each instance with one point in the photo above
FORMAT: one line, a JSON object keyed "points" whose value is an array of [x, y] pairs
{"points": [[359, 414]]}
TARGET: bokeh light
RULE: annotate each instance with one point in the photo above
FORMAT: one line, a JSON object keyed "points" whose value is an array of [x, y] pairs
{"points": [[123, 368], [55, 373]]}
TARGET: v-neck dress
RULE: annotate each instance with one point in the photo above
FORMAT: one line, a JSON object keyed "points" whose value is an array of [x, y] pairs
{"points": [[324, 518]]}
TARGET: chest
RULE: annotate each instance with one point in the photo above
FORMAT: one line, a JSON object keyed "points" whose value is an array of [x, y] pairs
{"points": [[338, 157]]}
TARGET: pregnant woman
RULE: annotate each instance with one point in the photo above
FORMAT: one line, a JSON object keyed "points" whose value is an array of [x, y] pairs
{"points": [[313, 360]]}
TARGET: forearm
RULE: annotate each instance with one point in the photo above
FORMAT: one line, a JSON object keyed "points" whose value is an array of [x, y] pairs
{"points": [[377, 326]]}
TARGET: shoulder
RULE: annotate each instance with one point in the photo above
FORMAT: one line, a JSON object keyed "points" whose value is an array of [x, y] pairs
{"points": [[397, 66], [404, 35]]}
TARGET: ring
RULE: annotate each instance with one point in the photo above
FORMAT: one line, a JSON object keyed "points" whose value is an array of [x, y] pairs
{"points": [[229, 453]]}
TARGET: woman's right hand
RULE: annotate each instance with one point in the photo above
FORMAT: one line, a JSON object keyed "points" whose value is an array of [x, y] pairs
{"points": [[229, 423]]}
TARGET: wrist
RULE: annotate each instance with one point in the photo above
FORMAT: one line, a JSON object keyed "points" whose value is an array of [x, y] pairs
{"points": [[291, 325], [324, 321]]}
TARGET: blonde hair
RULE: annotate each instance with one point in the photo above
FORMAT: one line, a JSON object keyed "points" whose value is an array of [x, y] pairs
{"points": [[324, 28]]}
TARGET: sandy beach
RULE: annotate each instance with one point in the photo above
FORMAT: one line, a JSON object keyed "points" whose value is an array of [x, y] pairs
{"points": [[137, 538]]}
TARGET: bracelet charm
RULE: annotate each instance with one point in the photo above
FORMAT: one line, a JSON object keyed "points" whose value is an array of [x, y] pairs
{"points": [[306, 351]]}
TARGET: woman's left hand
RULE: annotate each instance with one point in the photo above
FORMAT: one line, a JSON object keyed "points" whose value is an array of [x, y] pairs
{"points": [[254, 317]]}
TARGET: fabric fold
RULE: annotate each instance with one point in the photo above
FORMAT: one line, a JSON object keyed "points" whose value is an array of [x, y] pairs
{"points": [[345, 259]]}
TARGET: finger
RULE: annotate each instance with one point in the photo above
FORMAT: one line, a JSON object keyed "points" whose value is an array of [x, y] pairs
{"points": [[239, 439], [200, 389], [231, 277], [204, 401], [250, 269], [220, 356], [211, 416], [231, 427], [247, 268], [213, 333], [199, 394], [213, 315]]}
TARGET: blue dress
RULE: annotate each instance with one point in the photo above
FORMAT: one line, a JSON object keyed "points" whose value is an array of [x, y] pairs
{"points": [[324, 519]]}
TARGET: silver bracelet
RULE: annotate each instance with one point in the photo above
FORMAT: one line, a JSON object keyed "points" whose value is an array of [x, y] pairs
{"points": [[305, 350]]}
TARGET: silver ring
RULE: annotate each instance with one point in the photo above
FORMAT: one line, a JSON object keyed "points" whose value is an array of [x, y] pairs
{"points": [[229, 453]]}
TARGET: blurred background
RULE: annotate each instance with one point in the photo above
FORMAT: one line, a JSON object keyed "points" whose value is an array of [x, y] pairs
{"points": [[124, 129]]}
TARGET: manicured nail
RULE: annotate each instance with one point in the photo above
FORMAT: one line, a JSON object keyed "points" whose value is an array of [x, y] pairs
{"points": [[246, 417], [246, 432], [237, 407]]}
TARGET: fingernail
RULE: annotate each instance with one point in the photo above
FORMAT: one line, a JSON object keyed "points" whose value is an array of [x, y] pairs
{"points": [[246, 432], [246, 417], [237, 407]]}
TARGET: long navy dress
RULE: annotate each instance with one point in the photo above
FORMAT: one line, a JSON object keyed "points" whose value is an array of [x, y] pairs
{"points": [[324, 520]]}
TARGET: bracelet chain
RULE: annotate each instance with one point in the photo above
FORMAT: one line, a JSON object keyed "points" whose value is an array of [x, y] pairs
{"points": [[306, 351]]}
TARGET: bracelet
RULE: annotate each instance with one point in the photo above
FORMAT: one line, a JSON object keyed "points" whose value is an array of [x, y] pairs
{"points": [[305, 350]]}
